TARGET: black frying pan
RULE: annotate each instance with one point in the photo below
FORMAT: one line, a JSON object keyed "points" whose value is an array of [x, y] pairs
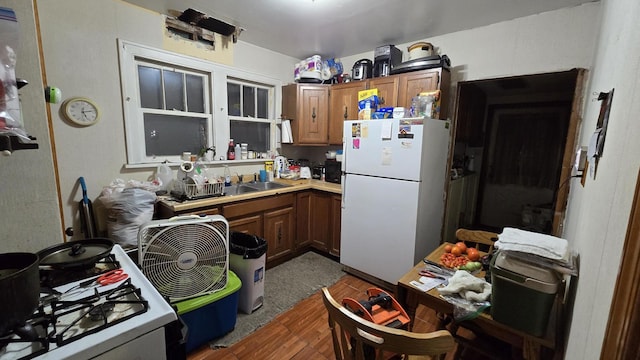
{"points": [[76, 254]]}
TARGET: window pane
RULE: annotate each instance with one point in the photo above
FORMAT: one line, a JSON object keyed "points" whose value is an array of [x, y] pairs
{"points": [[172, 135], [253, 133], [233, 99], [174, 90], [248, 101], [263, 100], [195, 93], [150, 89]]}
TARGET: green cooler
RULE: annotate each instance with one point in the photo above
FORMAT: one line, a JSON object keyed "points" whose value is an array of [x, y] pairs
{"points": [[522, 294]]}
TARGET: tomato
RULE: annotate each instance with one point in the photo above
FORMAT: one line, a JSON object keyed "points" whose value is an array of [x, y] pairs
{"points": [[473, 254], [462, 246], [455, 250], [447, 248], [452, 261]]}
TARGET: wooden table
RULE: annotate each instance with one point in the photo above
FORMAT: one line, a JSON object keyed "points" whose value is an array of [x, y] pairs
{"points": [[410, 297]]}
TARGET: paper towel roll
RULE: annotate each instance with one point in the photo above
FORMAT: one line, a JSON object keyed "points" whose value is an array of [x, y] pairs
{"points": [[287, 134]]}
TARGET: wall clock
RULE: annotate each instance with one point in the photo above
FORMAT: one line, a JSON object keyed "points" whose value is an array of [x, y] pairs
{"points": [[81, 111]]}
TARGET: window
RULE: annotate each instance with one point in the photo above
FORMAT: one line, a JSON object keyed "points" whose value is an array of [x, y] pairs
{"points": [[174, 103], [249, 111]]}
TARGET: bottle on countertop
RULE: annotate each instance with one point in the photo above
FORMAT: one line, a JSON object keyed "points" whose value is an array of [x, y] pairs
{"points": [[231, 151], [227, 176], [237, 150]]}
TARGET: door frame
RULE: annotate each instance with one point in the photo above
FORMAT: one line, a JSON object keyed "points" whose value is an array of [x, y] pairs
{"points": [[623, 328]]}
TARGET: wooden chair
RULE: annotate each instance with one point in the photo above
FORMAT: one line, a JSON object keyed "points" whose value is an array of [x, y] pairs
{"points": [[357, 339], [481, 240]]}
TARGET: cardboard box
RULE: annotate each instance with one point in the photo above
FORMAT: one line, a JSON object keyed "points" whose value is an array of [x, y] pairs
{"points": [[367, 103]]}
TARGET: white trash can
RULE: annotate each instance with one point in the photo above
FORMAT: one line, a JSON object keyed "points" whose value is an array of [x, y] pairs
{"points": [[247, 259]]}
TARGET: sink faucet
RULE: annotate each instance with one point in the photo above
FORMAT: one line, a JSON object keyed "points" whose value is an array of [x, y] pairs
{"points": [[239, 178]]}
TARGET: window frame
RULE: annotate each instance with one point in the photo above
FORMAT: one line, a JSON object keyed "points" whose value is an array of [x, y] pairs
{"points": [[219, 123]]}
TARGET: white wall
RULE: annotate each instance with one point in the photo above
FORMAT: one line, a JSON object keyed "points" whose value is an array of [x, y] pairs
{"points": [[28, 200], [598, 214], [81, 58]]}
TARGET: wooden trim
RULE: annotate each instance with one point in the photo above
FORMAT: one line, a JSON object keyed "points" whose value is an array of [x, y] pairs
{"points": [[623, 328], [569, 151]]}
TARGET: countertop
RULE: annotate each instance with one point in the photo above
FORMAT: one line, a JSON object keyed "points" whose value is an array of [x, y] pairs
{"points": [[296, 185]]}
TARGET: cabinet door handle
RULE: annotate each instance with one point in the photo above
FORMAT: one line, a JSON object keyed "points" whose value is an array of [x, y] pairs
{"points": [[346, 113], [279, 235], [313, 114]]}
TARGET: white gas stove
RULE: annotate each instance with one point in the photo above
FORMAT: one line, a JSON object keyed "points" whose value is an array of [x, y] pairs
{"points": [[125, 320]]}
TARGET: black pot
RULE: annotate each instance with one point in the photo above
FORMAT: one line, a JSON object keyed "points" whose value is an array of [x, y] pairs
{"points": [[76, 254], [19, 289]]}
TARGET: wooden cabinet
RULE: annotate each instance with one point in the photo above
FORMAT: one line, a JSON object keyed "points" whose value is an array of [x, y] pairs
{"points": [[317, 112], [307, 106], [387, 90], [279, 231], [343, 105], [271, 218], [303, 219], [413, 83], [336, 218], [326, 209]]}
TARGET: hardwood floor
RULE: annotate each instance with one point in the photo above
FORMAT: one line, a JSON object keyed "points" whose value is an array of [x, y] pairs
{"points": [[302, 333]]}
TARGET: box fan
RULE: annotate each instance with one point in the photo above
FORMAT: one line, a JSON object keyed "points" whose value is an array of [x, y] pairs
{"points": [[185, 256]]}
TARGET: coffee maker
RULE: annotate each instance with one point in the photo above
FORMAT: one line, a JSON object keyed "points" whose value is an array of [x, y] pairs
{"points": [[385, 58]]}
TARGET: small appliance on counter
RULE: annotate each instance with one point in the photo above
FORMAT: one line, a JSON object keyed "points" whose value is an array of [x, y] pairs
{"points": [[362, 69], [428, 62], [386, 58], [333, 171], [316, 172]]}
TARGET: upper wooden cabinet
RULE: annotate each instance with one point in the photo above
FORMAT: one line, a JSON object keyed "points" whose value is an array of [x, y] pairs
{"points": [[343, 105], [413, 83], [307, 106], [387, 90], [317, 112]]}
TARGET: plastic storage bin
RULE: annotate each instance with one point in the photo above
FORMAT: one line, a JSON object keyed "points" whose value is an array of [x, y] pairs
{"points": [[247, 260], [210, 316], [522, 294]]}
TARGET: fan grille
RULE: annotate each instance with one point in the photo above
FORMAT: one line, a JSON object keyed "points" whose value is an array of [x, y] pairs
{"points": [[186, 260]]}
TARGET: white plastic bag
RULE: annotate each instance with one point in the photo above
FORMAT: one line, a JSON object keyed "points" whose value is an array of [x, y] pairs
{"points": [[127, 210]]}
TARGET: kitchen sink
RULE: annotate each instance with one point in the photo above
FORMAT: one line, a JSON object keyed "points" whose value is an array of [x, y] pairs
{"points": [[239, 189], [267, 185]]}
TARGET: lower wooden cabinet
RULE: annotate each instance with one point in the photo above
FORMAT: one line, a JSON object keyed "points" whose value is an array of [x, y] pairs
{"points": [[290, 223], [272, 218], [325, 222], [279, 232]]}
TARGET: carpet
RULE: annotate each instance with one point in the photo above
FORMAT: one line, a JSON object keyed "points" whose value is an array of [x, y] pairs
{"points": [[284, 286]]}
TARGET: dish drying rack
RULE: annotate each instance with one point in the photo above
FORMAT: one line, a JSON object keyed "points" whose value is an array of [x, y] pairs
{"points": [[197, 191]]}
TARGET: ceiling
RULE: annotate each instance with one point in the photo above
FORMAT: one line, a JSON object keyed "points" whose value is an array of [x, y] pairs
{"points": [[337, 28]]}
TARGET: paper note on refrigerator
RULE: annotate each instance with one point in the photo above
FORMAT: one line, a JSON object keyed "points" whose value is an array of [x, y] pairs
{"points": [[386, 132], [386, 156]]}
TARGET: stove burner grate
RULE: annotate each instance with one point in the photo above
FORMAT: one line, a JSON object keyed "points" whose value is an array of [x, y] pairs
{"points": [[32, 336], [79, 318]]}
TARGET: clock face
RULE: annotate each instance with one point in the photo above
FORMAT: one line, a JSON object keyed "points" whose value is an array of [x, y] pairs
{"points": [[82, 111]]}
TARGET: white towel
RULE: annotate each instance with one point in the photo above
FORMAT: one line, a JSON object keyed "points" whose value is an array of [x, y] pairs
{"points": [[529, 242], [467, 286]]}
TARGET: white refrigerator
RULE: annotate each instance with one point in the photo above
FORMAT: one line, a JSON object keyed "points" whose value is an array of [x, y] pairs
{"points": [[392, 193]]}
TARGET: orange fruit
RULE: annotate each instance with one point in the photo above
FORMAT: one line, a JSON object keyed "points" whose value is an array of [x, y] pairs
{"points": [[462, 246], [447, 248], [473, 254], [455, 250]]}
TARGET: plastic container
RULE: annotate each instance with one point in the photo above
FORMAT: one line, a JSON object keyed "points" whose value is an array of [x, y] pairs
{"points": [[522, 294], [210, 316], [247, 259]]}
